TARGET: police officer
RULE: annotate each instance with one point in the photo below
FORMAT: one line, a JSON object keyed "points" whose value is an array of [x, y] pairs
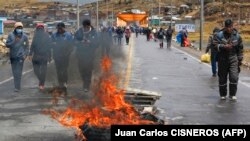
{"points": [[229, 45], [86, 44]]}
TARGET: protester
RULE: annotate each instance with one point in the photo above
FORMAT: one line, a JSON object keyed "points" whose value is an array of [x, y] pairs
{"points": [[18, 44], [169, 34], [214, 53], [62, 47], [160, 36], [40, 53], [86, 43], [127, 33], [184, 35], [106, 41], [119, 33]]}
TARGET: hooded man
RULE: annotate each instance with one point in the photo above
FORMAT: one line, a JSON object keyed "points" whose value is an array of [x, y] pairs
{"points": [[229, 45], [169, 34], [86, 44], [18, 44], [40, 53]]}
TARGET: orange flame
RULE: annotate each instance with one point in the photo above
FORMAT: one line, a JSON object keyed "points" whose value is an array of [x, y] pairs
{"points": [[107, 108]]}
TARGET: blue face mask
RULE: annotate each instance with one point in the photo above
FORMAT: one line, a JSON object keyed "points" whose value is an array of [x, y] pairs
{"points": [[19, 31]]}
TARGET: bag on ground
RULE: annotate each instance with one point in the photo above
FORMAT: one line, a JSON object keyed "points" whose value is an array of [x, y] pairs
{"points": [[205, 58]]}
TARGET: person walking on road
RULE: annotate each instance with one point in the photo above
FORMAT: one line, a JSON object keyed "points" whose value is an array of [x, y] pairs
{"points": [[106, 41], [86, 43], [137, 30], [148, 33], [62, 47], [160, 36], [169, 34], [18, 44], [40, 53], [184, 35], [119, 33], [127, 33], [228, 43], [214, 53]]}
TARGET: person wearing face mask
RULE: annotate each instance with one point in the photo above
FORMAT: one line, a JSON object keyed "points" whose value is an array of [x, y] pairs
{"points": [[62, 47], [18, 44], [229, 46], [86, 44], [40, 53]]}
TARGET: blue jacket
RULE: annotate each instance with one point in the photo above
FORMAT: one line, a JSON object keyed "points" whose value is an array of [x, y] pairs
{"points": [[18, 49], [85, 49], [62, 44]]}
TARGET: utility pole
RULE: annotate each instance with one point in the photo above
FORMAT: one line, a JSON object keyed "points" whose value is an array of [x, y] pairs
{"points": [[159, 12], [78, 15], [171, 20], [107, 6], [112, 22], [201, 23], [97, 15]]}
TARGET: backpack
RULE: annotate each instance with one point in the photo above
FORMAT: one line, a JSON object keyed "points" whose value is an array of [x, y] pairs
{"points": [[169, 32], [160, 34]]}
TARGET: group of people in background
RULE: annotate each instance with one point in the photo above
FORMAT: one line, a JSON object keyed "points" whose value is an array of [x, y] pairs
{"points": [[159, 35]]}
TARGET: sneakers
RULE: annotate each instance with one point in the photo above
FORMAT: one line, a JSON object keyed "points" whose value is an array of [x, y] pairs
{"points": [[41, 87], [16, 90], [222, 98], [233, 98], [86, 90], [214, 75]]}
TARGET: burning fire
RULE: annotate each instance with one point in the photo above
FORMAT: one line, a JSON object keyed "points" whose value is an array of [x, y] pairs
{"points": [[108, 106]]}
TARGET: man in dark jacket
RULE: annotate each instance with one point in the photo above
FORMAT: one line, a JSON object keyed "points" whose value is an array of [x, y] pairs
{"points": [[169, 34], [160, 36], [106, 41], [62, 45], [184, 35], [230, 55], [18, 44], [40, 53], [86, 43], [119, 33], [214, 53]]}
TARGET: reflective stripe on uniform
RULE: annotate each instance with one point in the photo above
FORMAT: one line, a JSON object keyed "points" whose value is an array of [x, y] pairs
{"points": [[233, 83], [222, 85]]}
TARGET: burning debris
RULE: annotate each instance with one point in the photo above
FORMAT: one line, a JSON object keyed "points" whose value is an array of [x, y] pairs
{"points": [[109, 107]]}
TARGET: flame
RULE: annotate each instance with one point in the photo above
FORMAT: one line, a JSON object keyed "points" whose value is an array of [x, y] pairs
{"points": [[107, 108]]}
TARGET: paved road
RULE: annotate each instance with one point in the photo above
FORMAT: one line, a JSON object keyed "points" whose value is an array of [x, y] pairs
{"points": [[189, 94]]}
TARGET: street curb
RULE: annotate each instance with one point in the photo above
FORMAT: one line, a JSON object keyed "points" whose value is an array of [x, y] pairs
{"points": [[199, 53]]}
